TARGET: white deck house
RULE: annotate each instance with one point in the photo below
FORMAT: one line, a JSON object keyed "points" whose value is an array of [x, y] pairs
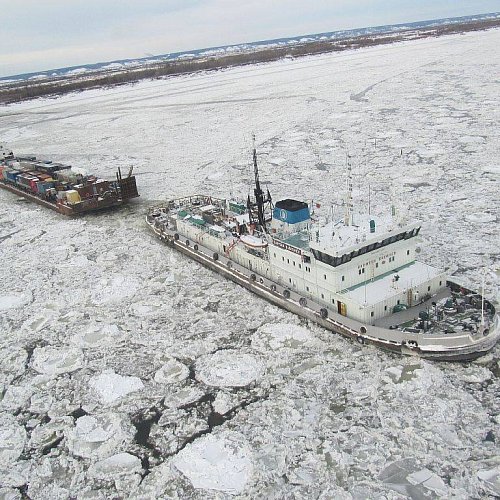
{"points": [[365, 268]]}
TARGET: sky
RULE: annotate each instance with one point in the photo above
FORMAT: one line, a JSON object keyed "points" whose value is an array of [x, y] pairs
{"points": [[39, 35]]}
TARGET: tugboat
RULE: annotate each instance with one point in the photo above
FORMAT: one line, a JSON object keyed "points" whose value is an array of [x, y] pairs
{"points": [[60, 187], [358, 277]]}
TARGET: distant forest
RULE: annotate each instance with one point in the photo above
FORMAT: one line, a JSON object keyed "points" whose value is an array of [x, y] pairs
{"points": [[24, 90]]}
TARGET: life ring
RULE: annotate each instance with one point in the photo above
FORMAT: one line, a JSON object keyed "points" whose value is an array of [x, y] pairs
{"points": [[323, 313], [195, 248], [215, 256], [176, 236], [286, 294], [273, 288], [261, 281], [303, 302], [253, 277], [187, 243]]}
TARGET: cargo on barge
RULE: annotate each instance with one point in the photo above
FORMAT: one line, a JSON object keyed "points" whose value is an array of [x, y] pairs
{"points": [[60, 187]]}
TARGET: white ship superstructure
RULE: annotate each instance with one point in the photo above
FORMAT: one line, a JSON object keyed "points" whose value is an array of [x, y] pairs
{"points": [[357, 274], [366, 270]]}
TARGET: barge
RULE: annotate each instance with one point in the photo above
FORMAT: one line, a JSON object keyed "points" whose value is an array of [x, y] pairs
{"points": [[62, 188], [356, 276]]}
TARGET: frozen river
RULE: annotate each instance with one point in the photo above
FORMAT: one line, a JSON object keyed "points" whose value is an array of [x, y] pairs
{"points": [[129, 371]]}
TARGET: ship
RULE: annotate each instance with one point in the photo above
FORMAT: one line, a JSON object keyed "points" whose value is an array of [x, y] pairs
{"points": [[60, 187], [357, 276]]}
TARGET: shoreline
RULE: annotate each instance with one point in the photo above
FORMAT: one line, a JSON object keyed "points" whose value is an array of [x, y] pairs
{"points": [[53, 87]]}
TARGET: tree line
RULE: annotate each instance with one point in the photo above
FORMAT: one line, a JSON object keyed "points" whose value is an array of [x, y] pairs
{"points": [[20, 91]]}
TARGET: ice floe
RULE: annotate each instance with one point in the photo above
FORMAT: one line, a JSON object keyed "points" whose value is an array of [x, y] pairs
{"points": [[115, 466], [110, 386], [12, 301], [46, 435], [12, 439], [229, 368], [405, 477], [171, 372], [184, 397], [99, 436], [220, 462], [98, 336], [57, 360], [273, 336], [491, 478]]}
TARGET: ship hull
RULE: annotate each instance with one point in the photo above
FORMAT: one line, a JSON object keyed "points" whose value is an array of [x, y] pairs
{"points": [[68, 210], [281, 296]]}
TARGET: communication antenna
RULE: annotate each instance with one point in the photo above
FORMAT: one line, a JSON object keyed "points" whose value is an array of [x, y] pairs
{"points": [[348, 205], [369, 199], [482, 302]]}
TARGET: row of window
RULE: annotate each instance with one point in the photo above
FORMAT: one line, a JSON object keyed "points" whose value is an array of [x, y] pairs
{"points": [[307, 268], [337, 261], [322, 295]]}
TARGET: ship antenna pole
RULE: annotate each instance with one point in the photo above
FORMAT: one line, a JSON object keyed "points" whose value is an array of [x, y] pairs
{"points": [[482, 303], [259, 195], [369, 199], [348, 207]]}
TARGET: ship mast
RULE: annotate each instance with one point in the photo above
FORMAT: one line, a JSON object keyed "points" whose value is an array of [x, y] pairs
{"points": [[260, 198], [348, 205]]}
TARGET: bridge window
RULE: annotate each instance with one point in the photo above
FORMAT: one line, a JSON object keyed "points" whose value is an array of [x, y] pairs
{"points": [[372, 314], [343, 278], [324, 276]]}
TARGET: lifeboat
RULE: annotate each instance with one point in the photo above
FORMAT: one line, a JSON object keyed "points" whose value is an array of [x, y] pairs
{"points": [[252, 241]]}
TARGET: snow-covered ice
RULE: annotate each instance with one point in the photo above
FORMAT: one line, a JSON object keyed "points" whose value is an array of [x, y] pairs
{"points": [[131, 371], [12, 439], [99, 435], [220, 462], [111, 386], [229, 368], [171, 372], [57, 360]]}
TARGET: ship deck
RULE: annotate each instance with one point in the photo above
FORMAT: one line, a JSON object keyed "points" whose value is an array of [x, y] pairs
{"points": [[411, 314]]}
